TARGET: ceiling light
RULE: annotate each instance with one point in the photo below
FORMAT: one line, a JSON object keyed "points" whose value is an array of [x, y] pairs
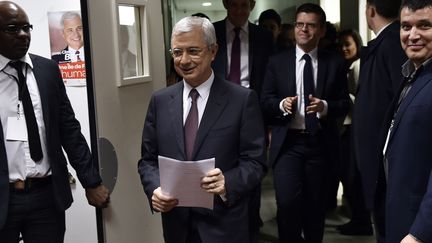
{"points": [[207, 4]]}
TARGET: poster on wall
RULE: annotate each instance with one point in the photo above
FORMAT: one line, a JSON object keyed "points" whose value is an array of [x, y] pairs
{"points": [[67, 46]]}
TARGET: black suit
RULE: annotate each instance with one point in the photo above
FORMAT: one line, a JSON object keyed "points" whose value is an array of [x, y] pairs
{"points": [[299, 160], [260, 48], [379, 80], [231, 131], [62, 131]]}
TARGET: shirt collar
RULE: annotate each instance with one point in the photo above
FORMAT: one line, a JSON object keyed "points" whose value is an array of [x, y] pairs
{"points": [[409, 70], [203, 89], [4, 61], [382, 29], [353, 64], [71, 50], [230, 27], [313, 54]]}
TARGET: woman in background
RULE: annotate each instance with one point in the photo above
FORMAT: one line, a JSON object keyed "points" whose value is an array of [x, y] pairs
{"points": [[360, 223]]}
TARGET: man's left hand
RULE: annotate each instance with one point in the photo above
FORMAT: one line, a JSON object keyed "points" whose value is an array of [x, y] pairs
{"points": [[315, 105], [214, 182], [98, 196]]}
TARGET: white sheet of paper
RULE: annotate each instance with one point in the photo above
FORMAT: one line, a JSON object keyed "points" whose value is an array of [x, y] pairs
{"points": [[182, 180], [16, 129]]}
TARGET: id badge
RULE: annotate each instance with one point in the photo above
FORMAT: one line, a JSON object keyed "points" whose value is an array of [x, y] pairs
{"points": [[16, 129]]}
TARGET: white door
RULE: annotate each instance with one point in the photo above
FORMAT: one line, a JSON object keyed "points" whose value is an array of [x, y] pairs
{"points": [[121, 105]]}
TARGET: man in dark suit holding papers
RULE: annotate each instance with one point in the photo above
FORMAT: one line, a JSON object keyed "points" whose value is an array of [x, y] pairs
{"points": [[203, 117]]}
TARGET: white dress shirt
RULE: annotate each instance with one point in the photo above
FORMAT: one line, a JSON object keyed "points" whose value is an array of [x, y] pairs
{"points": [[244, 51], [353, 77], [20, 164], [203, 91]]}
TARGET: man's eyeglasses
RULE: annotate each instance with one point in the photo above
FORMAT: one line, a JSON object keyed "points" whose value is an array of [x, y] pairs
{"points": [[193, 52], [301, 25], [15, 29]]}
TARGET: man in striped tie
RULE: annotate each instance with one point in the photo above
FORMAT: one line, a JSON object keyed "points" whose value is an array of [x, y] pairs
{"points": [[199, 118]]}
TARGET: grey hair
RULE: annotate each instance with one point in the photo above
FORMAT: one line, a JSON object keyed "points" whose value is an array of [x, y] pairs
{"points": [[189, 23], [68, 15]]}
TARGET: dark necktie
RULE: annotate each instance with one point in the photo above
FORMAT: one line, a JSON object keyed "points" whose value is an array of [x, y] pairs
{"points": [[311, 120], [234, 75], [77, 56], [191, 124], [32, 127]]}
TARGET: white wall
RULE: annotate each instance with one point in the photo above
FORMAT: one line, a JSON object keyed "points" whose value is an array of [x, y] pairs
{"points": [[332, 10], [80, 218], [213, 15]]}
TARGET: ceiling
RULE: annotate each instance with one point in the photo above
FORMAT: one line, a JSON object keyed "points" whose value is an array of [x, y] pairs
{"points": [[196, 5]]}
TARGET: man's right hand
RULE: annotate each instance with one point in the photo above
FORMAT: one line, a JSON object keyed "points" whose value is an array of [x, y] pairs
{"points": [[162, 203], [289, 104]]}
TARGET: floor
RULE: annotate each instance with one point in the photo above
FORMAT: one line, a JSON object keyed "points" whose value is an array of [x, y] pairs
{"points": [[268, 214]]}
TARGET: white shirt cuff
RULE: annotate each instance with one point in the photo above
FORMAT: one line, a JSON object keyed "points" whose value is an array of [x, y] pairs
{"points": [[285, 113], [324, 112]]}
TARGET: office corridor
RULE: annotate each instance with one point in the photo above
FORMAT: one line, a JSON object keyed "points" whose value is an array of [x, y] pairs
{"points": [[268, 232]]}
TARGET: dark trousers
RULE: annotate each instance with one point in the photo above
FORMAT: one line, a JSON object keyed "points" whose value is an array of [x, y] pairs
{"points": [[193, 235], [379, 208], [33, 214], [255, 221], [299, 179]]}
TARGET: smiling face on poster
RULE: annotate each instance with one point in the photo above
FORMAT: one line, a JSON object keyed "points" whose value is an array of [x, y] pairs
{"points": [[67, 45]]}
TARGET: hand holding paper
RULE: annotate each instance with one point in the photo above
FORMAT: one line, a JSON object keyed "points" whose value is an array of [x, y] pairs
{"points": [[214, 182], [161, 202], [183, 181]]}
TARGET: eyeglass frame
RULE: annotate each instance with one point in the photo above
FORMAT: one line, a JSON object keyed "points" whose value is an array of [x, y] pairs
{"points": [[193, 55], [301, 25], [15, 29]]}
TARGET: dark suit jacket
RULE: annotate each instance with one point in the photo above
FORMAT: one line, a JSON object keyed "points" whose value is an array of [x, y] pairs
{"points": [[231, 130], [280, 82], [260, 48], [379, 80], [62, 131], [409, 153]]}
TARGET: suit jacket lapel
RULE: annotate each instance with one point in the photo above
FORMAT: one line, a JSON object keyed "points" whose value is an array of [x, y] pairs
{"points": [[322, 70], [252, 33], [41, 81], [3, 157], [214, 108], [291, 74], [416, 87], [223, 48], [176, 115]]}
